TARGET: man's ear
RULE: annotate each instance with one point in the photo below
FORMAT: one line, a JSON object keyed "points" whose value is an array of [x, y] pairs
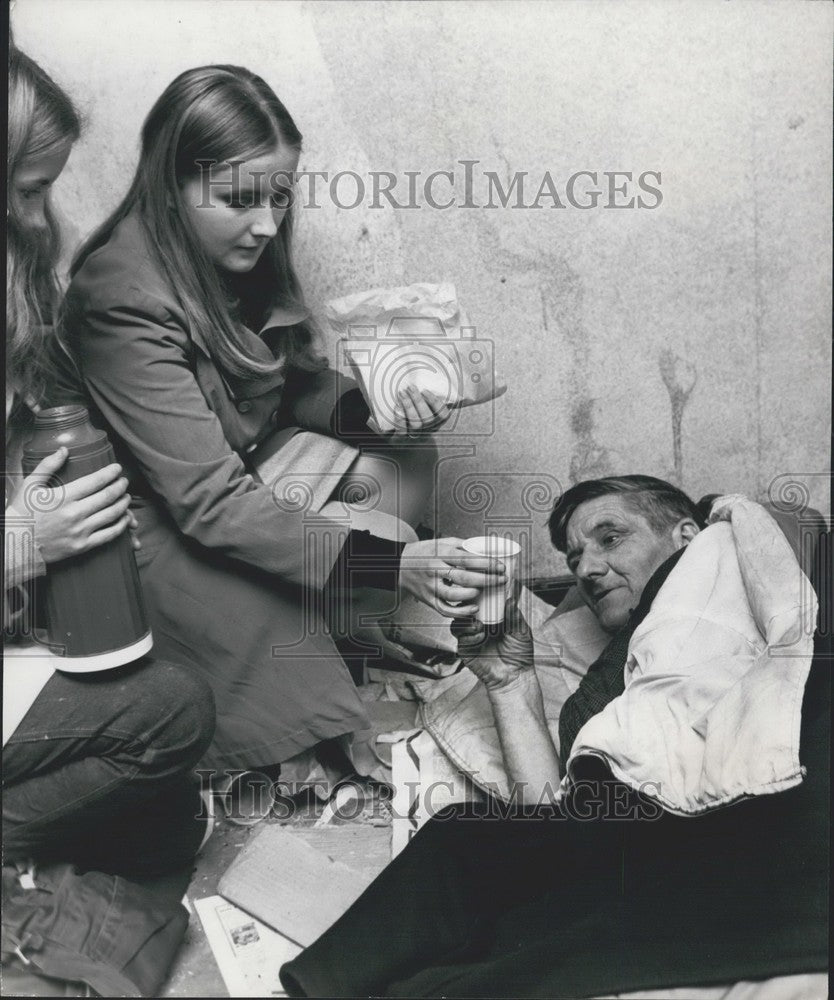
{"points": [[684, 531]]}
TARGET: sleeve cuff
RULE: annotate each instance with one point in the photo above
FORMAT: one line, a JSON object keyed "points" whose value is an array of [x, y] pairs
{"points": [[366, 560], [349, 420]]}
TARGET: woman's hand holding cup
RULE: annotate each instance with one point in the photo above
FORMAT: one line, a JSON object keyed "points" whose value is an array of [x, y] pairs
{"points": [[492, 598], [443, 575]]}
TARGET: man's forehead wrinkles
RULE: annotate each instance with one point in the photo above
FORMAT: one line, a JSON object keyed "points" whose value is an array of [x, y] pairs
{"points": [[593, 523], [607, 522]]}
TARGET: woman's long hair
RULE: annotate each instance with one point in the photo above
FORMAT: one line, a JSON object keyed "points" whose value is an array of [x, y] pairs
{"points": [[41, 120], [216, 114]]}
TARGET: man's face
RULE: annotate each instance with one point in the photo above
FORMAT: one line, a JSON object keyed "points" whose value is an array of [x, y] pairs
{"points": [[613, 552]]}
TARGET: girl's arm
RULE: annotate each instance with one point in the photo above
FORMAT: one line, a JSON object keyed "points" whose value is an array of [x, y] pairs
{"points": [[326, 402], [45, 525], [135, 358], [331, 403]]}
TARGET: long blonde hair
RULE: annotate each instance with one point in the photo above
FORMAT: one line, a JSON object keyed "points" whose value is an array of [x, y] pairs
{"points": [[41, 119], [214, 114]]}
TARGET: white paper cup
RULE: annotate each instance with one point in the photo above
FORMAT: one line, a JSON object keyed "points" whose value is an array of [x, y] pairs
{"points": [[491, 600]]}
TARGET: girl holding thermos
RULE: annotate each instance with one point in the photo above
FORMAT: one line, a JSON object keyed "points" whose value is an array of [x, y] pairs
{"points": [[96, 765]]}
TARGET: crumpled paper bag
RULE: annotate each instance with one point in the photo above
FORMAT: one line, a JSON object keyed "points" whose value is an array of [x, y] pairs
{"points": [[416, 335]]}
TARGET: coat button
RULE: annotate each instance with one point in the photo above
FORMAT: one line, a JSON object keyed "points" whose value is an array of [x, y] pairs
{"points": [[244, 407]]}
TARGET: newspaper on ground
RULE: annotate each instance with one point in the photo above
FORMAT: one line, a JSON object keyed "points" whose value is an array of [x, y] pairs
{"points": [[248, 953]]}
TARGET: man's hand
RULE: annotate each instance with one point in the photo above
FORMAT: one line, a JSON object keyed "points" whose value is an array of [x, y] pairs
{"points": [[505, 665], [498, 662]]}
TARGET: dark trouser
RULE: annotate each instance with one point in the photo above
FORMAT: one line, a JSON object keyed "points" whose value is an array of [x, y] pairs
{"points": [[440, 902], [556, 907], [99, 770]]}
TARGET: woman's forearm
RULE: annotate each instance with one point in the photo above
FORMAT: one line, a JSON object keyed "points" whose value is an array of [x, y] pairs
{"points": [[366, 560]]}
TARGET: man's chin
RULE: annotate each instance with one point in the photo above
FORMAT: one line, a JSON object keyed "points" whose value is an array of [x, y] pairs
{"points": [[612, 619], [607, 611]]}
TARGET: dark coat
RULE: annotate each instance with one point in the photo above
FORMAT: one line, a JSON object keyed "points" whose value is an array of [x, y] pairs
{"points": [[231, 578]]}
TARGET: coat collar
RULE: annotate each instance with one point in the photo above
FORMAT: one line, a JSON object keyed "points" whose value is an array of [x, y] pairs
{"points": [[132, 233], [279, 316], [284, 315], [256, 385]]}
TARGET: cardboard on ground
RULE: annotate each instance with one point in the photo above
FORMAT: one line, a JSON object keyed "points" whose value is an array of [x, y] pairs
{"points": [[289, 885]]}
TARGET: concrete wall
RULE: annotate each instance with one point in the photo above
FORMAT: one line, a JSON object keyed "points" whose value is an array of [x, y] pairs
{"points": [[689, 341]]}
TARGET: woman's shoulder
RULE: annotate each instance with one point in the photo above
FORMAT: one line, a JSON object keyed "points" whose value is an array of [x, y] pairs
{"points": [[123, 272]]}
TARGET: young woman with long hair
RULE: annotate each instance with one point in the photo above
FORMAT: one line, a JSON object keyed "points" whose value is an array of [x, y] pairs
{"points": [[186, 321], [43, 125], [95, 767]]}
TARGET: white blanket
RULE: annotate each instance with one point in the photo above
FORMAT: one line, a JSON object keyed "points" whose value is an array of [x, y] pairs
{"points": [[715, 673]]}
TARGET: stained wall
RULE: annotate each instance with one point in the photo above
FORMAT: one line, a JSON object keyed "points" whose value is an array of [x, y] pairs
{"points": [[690, 340]]}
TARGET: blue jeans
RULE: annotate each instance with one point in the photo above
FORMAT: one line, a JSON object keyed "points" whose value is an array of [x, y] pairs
{"points": [[99, 770]]}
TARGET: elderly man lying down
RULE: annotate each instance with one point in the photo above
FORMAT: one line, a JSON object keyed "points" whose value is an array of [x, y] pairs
{"points": [[674, 839]]}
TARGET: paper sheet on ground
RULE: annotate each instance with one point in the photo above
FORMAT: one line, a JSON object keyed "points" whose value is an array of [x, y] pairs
{"points": [[248, 953]]}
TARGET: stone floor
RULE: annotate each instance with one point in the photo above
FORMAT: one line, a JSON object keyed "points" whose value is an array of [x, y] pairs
{"points": [[363, 844]]}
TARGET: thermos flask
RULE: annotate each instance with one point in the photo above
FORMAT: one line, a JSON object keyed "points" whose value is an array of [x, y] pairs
{"points": [[95, 613]]}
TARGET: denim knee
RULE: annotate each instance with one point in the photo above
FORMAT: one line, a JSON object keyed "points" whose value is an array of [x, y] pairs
{"points": [[187, 713]]}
